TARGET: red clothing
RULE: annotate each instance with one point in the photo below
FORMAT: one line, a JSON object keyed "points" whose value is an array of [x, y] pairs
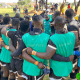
{"points": [[69, 6], [34, 6]]}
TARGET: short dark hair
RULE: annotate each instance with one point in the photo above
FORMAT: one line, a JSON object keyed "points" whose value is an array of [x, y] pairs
{"points": [[24, 25], [1, 16], [37, 18], [59, 20], [46, 15], [26, 11], [6, 20], [57, 13], [7, 15], [27, 17], [69, 13], [15, 21], [17, 15]]}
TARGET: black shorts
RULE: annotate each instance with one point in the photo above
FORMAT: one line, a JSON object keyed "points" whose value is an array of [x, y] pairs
{"points": [[52, 75], [32, 77], [16, 64], [6, 64]]}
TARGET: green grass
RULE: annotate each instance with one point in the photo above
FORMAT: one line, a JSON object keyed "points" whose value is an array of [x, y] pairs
{"points": [[46, 77], [3, 11]]}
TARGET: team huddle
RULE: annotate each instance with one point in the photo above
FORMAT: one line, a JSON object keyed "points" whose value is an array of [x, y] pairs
{"points": [[27, 47]]}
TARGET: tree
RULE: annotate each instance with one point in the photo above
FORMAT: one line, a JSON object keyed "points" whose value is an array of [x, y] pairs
{"points": [[76, 5]]}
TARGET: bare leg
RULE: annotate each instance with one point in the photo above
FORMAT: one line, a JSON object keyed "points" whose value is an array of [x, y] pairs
{"points": [[12, 75], [21, 78], [5, 71]]}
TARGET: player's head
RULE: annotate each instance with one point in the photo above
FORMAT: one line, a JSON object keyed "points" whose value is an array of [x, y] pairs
{"points": [[37, 21], [6, 20], [46, 16], [56, 13], [59, 23], [69, 13], [27, 18], [15, 23], [6, 15], [24, 26], [1, 18], [26, 12], [79, 18], [69, 4], [17, 15]]}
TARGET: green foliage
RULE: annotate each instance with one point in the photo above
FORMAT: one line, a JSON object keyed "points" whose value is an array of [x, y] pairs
{"points": [[21, 2], [30, 5], [27, 1]]}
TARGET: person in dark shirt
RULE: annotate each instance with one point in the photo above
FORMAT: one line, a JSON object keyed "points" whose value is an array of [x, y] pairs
{"points": [[26, 10], [56, 13], [17, 15], [27, 18], [36, 31], [1, 19], [72, 27], [42, 14]]}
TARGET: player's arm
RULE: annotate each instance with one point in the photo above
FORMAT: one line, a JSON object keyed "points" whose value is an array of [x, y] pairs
{"points": [[50, 51], [77, 41], [3, 44], [55, 57], [19, 50], [31, 60], [1, 26], [27, 57], [11, 47], [4, 30]]}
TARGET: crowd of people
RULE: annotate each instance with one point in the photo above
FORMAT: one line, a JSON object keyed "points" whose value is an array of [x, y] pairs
{"points": [[26, 46]]}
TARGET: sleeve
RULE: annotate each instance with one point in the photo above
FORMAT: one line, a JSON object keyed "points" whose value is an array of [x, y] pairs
{"points": [[51, 44], [19, 50], [10, 34], [57, 57]]}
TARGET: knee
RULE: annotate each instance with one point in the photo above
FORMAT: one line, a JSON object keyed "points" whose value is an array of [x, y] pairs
{"points": [[5, 71], [12, 75]]}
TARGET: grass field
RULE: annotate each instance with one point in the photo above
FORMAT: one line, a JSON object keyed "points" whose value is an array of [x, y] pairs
{"points": [[10, 11], [3, 11]]}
